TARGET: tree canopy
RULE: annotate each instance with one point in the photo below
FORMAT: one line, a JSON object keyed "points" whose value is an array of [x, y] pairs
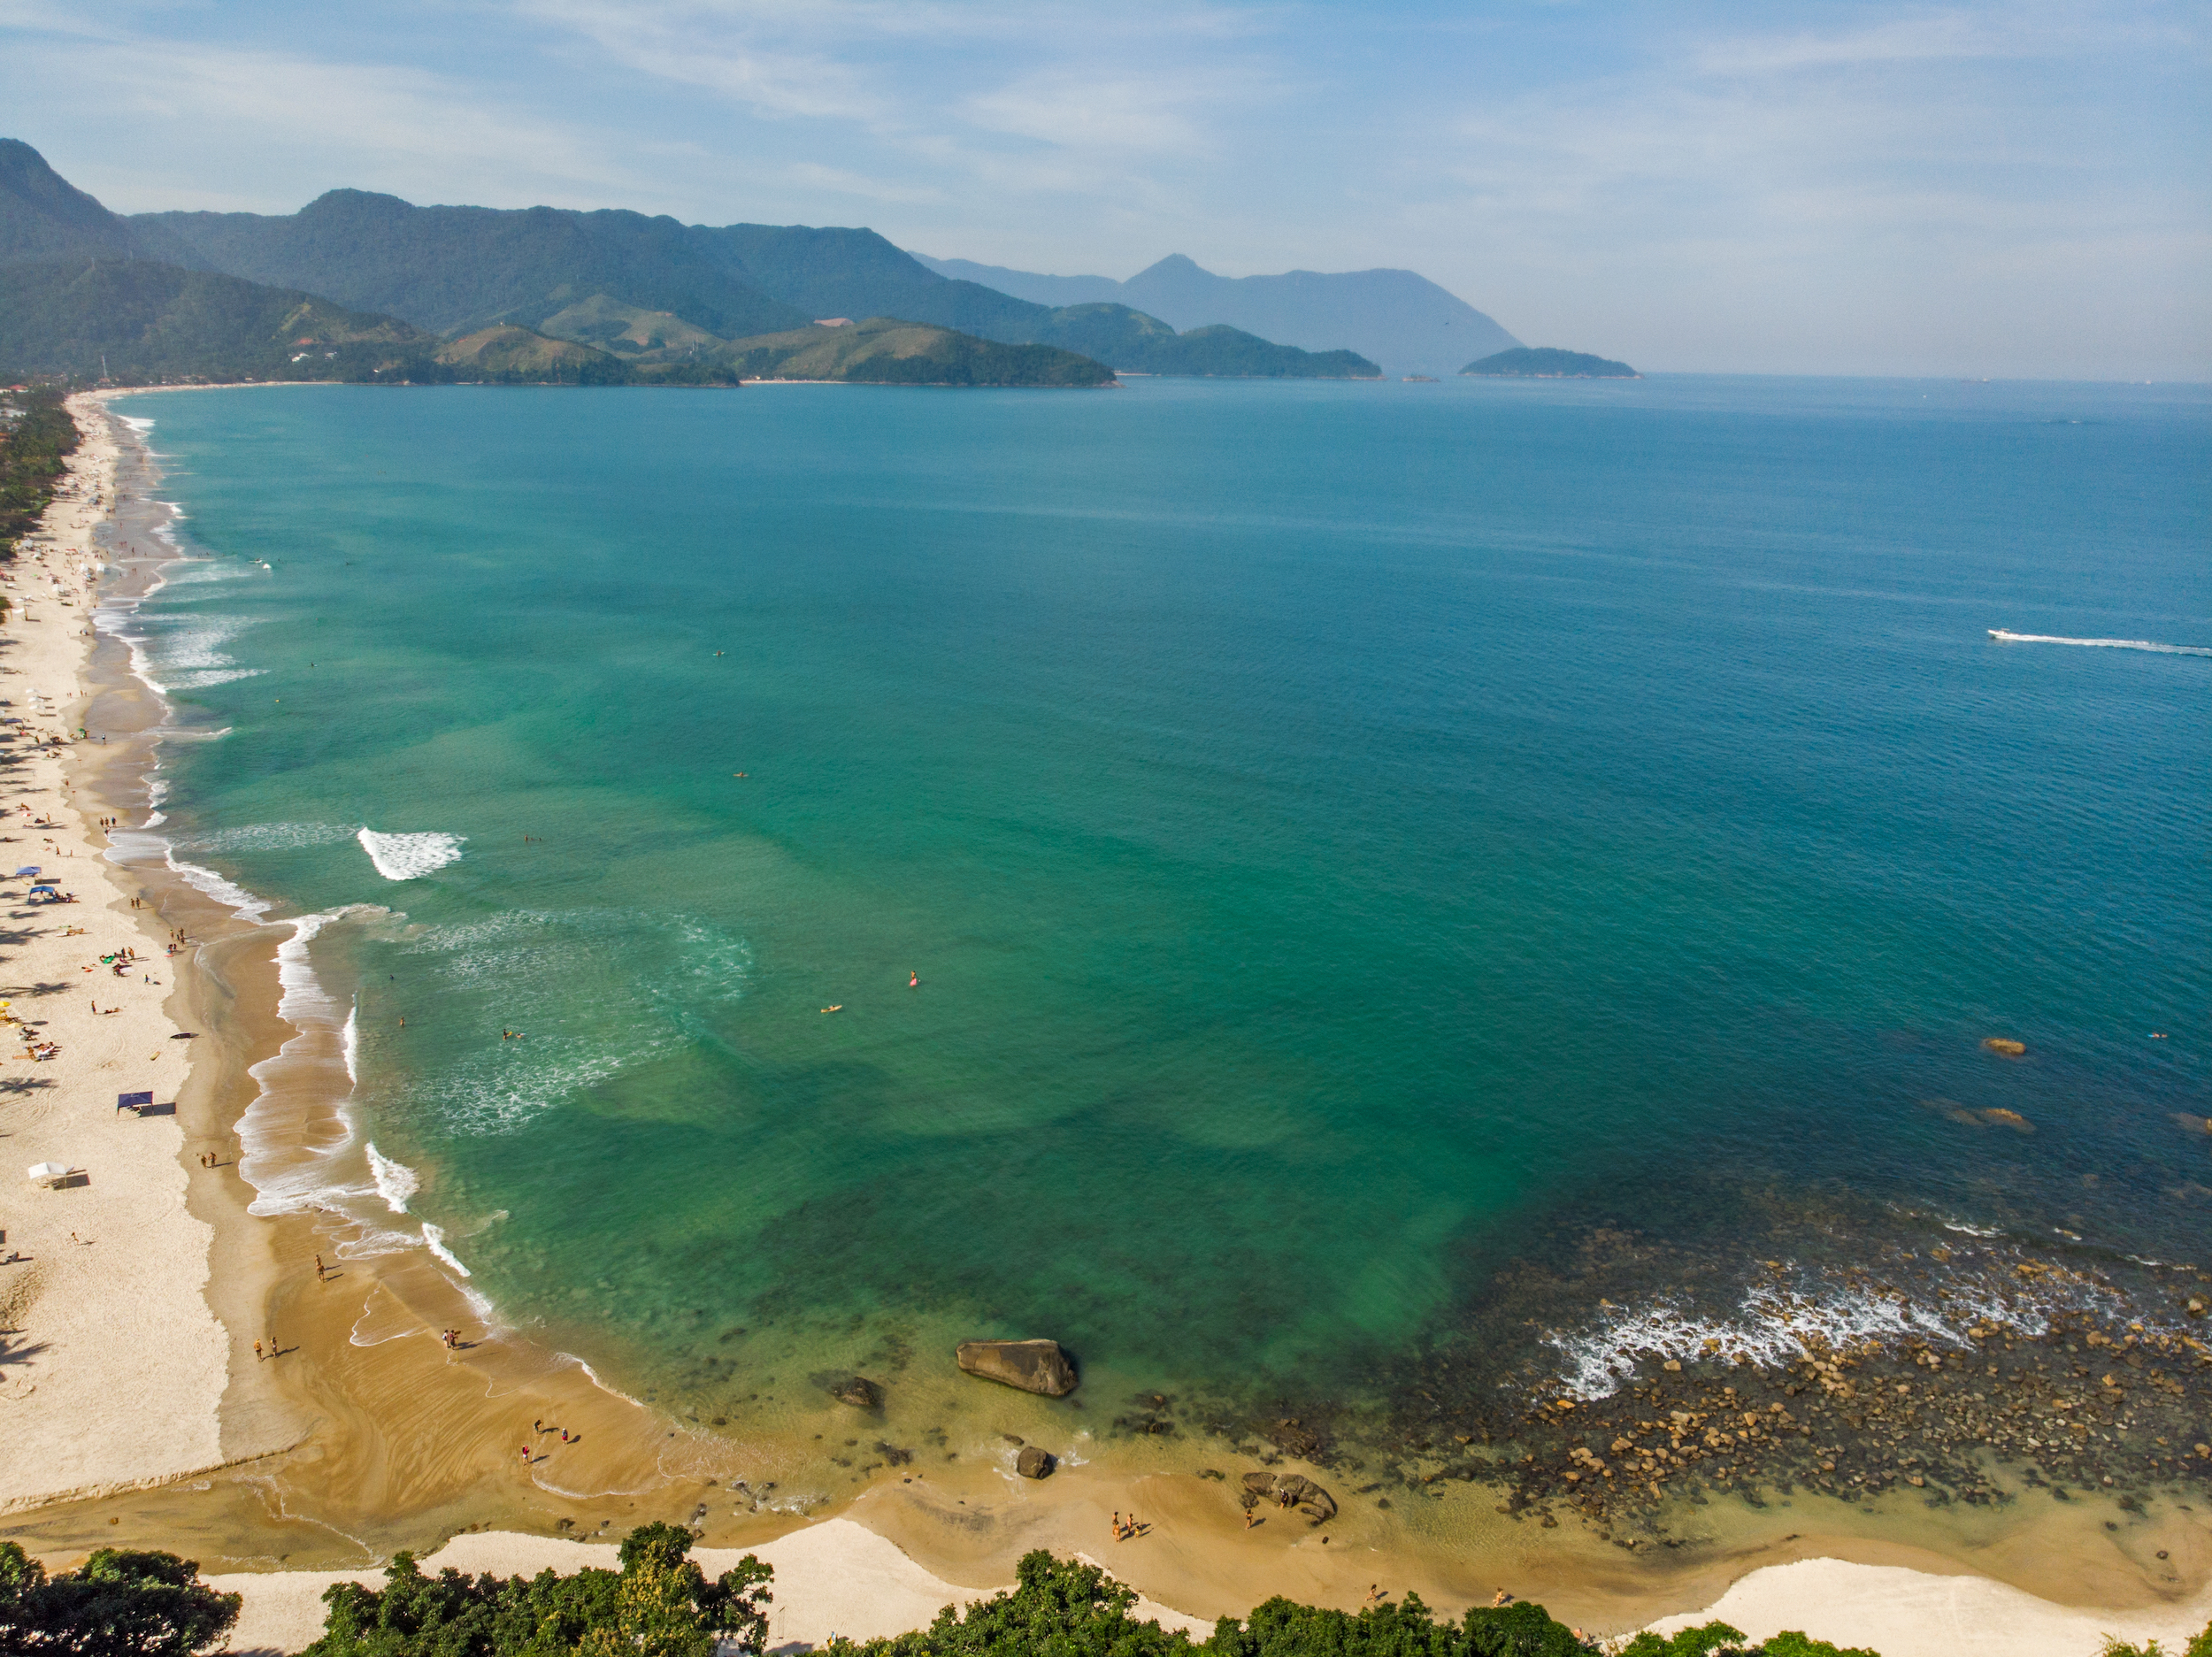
{"points": [[658, 1605], [119, 1603]]}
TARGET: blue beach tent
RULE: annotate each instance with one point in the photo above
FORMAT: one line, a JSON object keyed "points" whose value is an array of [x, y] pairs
{"points": [[29, 873], [133, 1101]]}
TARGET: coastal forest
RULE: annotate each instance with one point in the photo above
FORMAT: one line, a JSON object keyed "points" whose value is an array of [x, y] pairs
{"points": [[659, 1603], [36, 438]]}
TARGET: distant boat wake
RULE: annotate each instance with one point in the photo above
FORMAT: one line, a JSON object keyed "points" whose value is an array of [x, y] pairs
{"points": [[2003, 637]]}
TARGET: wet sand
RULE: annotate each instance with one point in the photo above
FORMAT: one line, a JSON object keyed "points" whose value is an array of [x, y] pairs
{"points": [[367, 1434]]}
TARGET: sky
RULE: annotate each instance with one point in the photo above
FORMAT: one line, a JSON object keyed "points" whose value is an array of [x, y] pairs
{"points": [[2018, 189]]}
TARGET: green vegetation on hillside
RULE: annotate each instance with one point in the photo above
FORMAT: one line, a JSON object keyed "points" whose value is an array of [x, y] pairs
{"points": [[149, 322], [456, 269], [883, 352], [1545, 362], [660, 295], [119, 1603], [625, 330], [36, 436], [506, 354]]}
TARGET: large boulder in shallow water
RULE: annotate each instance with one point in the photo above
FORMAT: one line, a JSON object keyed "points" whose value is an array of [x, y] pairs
{"points": [[857, 1391], [1290, 1490], [1034, 1366], [1034, 1462]]}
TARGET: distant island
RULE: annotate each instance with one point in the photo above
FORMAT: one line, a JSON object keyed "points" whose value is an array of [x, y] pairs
{"points": [[1544, 361]]}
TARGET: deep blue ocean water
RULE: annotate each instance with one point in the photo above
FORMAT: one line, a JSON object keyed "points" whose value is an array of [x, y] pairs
{"points": [[1349, 836]]}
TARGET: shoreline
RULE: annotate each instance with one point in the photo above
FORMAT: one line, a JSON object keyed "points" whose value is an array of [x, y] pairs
{"points": [[333, 1467]]}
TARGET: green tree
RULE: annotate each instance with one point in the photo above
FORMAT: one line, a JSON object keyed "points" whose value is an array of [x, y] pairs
{"points": [[2200, 1645], [119, 1603], [1056, 1609], [658, 1605], [1717, 1639]]}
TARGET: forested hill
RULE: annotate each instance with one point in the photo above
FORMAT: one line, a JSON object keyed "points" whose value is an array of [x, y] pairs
{"points": [[1397, 318], [884, 351], [1547, 362], [136, 321], [43, 217], [453, 269], [456, 269]]}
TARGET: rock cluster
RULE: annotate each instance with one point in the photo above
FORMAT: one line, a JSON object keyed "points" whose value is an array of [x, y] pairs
{"points": [[2080, 1409], [1289, 1490], [857, 1391]]}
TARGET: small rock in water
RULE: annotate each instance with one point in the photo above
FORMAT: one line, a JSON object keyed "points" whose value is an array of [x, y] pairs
{"points": [[858, 1392], [1034, 1462]]}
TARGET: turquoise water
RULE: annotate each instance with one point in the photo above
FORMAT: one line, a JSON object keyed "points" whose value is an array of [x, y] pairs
{"points": [[1350, 837]]}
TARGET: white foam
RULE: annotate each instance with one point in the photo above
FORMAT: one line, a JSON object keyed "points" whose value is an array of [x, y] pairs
{"points": [[266, 837], [288, 1171], [409, 856], [396, 1182], [129, 846], [375, 1242], [350, 1045], [137, 423], [434, 1240], [1775, 1326], [2003, 636]]}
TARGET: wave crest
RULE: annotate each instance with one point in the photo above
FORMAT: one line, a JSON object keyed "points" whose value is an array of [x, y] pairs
{"points": [[409, 856]]}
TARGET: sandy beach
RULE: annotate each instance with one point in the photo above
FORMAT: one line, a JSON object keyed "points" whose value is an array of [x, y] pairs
{"points": [[115, 1365], [136, 1410]]}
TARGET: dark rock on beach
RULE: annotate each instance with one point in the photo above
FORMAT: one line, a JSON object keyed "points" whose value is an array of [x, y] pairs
{"points": [[1290, 1490], [1034, 1366], [1035, 1464], [858, 1392]]}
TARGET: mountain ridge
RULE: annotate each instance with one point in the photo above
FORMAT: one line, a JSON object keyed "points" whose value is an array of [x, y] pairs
{"points": [[591, 276], [1397, 318]]}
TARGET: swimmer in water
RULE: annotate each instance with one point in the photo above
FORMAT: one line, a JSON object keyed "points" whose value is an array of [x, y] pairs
{"points": [[913, 980]]}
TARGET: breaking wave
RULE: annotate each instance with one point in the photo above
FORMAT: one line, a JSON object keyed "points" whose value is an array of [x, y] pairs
{"points": [[409, 856], [434, 1240], [1775, 1325], [396, 1182]]}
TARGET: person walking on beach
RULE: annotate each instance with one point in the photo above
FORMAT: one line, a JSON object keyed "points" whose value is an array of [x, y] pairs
{"points": [[257, 1351], [318, 1268]]}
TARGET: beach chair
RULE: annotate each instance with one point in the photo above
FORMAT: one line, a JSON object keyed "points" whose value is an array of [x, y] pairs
{"points": [[49, 1174]]}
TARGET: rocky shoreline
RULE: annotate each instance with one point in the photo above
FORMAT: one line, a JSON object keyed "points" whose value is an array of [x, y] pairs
{"points": [[2075, 1387]]}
